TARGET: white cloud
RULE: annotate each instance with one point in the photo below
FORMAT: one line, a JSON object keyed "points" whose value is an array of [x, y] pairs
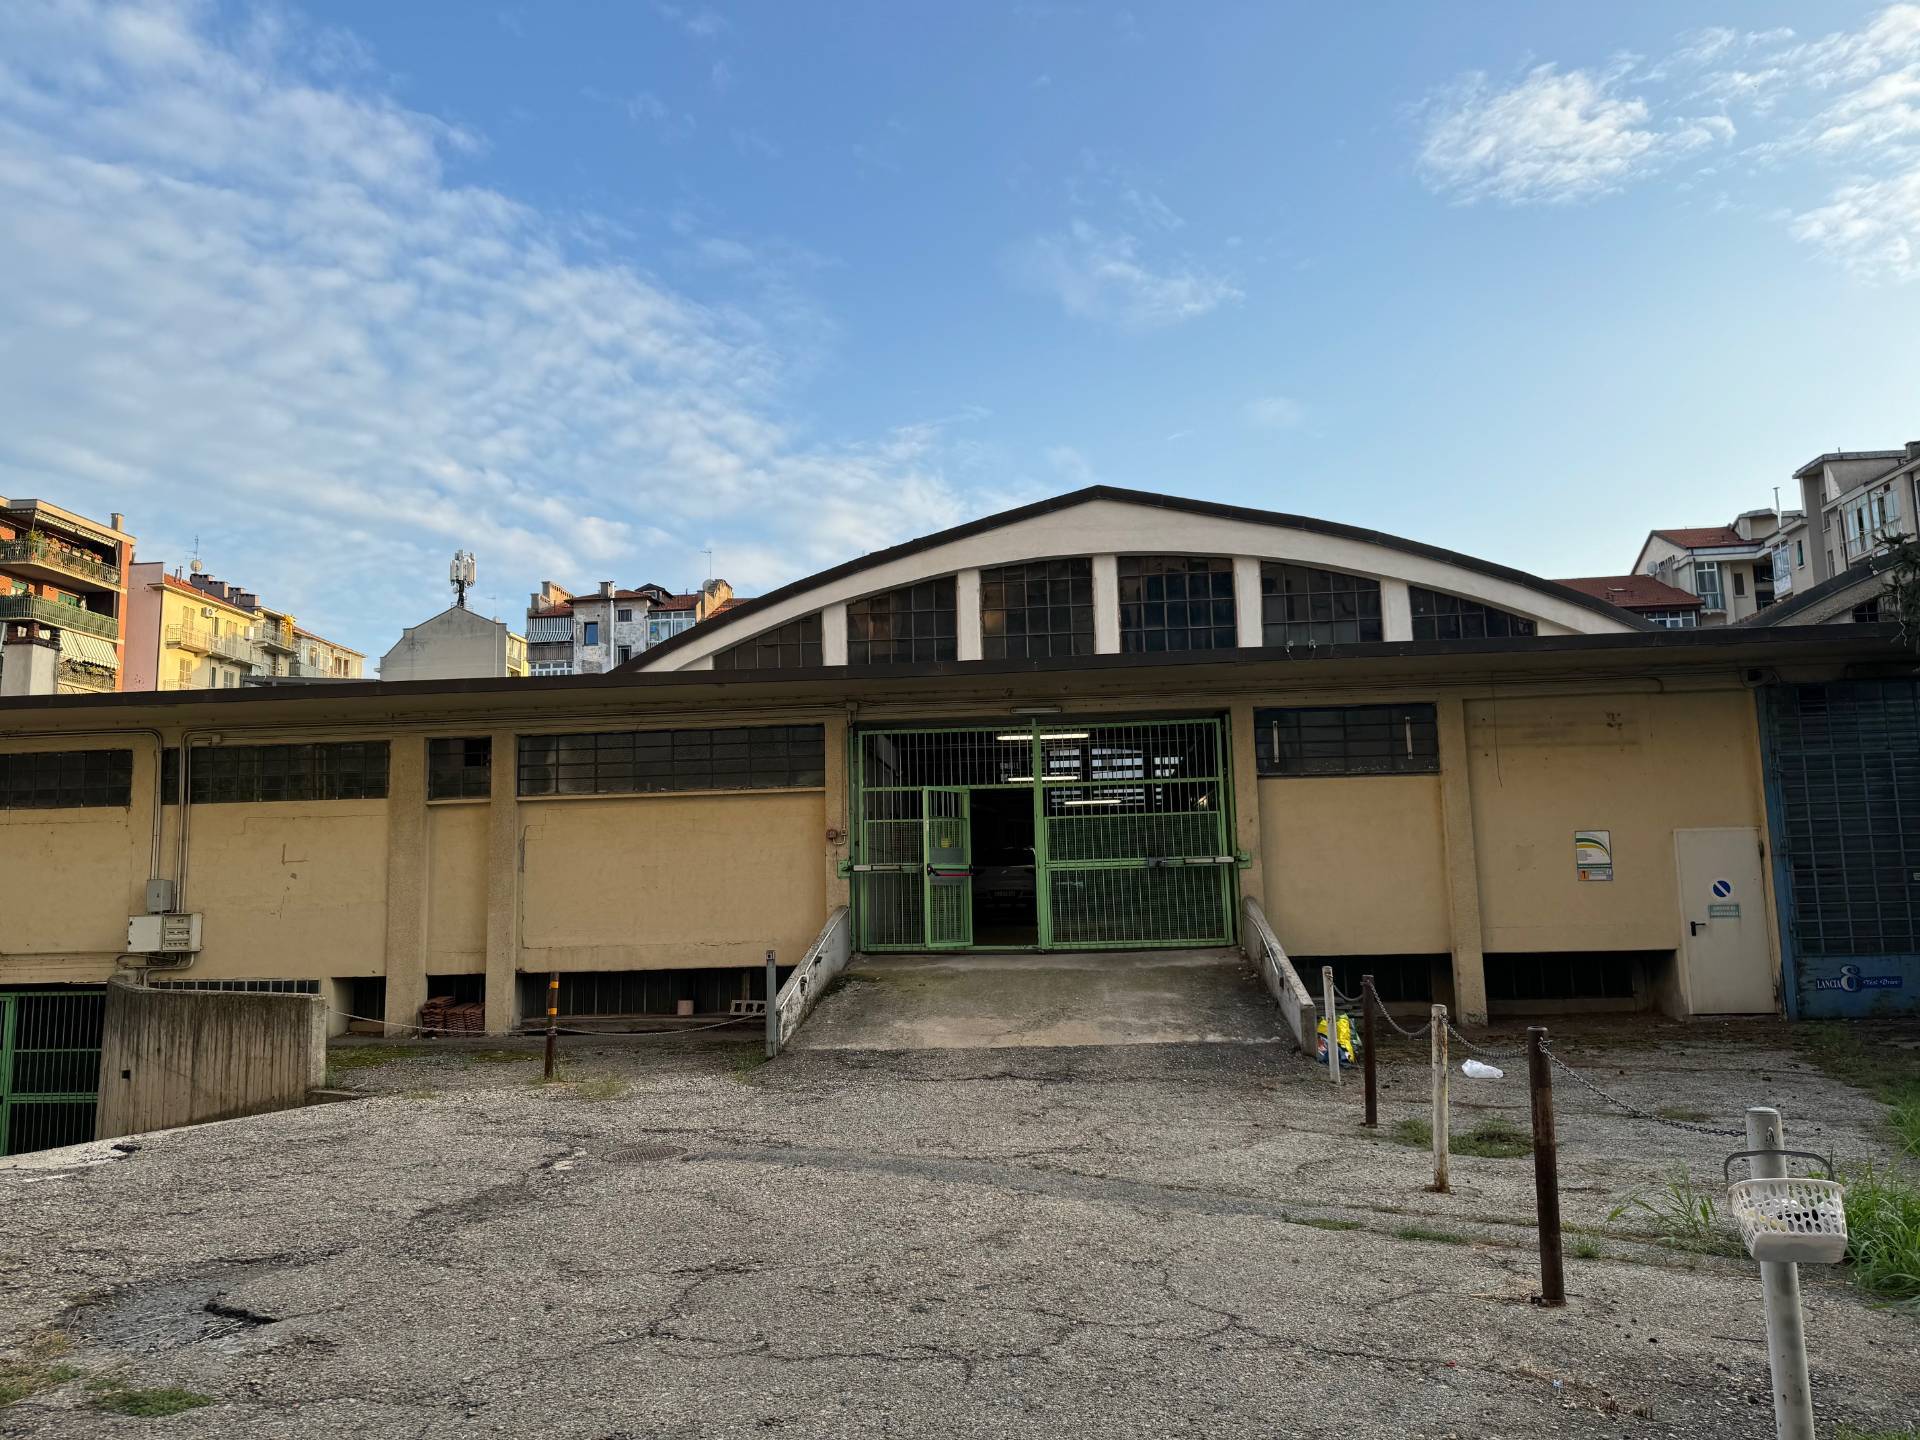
{"points": [[254, 304], [722, 77], [1274, 412], [1103, 275], [1553, 137], [1870, 226], [697, 21]]}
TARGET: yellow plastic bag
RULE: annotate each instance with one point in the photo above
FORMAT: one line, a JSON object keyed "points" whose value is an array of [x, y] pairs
{"points": [[1346, 1040]]}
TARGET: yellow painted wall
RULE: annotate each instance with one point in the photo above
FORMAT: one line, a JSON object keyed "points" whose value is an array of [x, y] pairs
{"points": [[1640, 765], [1354, 865], [456, 889], [290, 888], [671, 881]]}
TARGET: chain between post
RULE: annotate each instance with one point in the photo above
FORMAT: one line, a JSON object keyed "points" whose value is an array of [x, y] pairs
{"points": [[1635, 1110]]}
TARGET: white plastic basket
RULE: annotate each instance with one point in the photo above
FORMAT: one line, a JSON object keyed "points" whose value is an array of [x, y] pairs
{"points": [[1804, 1221]]}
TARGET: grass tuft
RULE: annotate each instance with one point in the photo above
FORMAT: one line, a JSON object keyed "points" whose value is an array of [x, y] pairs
{"points": [[1680, 1212], [1688, 1113], [1438, 1237], [1489, 1139], [1890, 1074], [1585, 1250], [1883, 1235], [1319, 1224], [345, 1058], [110, 1395], [1906, 1432], [20, 1379], [601, 1088]]}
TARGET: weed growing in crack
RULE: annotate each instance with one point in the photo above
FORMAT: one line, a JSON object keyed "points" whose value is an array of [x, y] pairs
{"points": [[110, 1395], [20, 1379], [1883, 1235], [1681, 1212], [1438, 1237], [1585, 1250], [1490, 1139]]}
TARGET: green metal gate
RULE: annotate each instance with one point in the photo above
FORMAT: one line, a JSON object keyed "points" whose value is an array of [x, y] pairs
{"points": [[49, 1066], [1131, 827]]}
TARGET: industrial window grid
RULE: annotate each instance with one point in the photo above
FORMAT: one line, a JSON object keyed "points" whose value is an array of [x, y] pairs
{"points": [[1845, 757], [240, 774], [65, 779], [1347, 740], [640, 762], [900, 627], [1302, 606], [792, 646], [1439, 616], [1176, 602], [459, 767], [1037, 611], [244, 987]]}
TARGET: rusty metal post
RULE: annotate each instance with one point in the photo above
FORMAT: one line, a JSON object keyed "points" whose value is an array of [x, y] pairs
{"points": [[773, 1008], [553, 1016], [1546, 1169], [1367, 1001], [1439, 1111]]}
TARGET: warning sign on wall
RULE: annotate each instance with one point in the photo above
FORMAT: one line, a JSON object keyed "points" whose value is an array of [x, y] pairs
{"points": [[1593, 854]]}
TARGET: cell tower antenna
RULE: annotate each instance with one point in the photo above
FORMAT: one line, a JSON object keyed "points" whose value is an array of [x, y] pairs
{"points": [[461, 574]]}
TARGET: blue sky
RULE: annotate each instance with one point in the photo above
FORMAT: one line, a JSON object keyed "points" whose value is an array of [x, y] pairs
{"points": [[591, 289]]}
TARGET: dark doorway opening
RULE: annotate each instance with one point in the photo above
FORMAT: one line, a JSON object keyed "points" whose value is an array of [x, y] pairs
{"points": [[1006, 910]]}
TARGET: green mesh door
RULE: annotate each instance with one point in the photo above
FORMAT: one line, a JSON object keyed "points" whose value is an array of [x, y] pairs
{"points": [[1135, 824], [49, 1067], [949, 852], [1130, 831]]}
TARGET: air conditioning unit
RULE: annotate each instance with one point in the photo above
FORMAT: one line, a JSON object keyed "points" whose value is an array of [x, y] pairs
{"points": [[206, 612], [171, 934]]}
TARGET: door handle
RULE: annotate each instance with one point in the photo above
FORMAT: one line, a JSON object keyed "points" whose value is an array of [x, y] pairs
{"points": [[1694, 927]]}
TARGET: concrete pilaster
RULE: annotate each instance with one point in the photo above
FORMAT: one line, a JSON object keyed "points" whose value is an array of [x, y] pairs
{"points": [[839, 818], [966, 595], [833, 634], [503, 888], [1246, 601], [1463, 864], [1396, 610], [1106, 604], [406, 947], [1245, 771]]}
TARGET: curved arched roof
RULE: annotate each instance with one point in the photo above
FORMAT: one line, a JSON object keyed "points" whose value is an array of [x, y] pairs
{"points": [[1163, 524]]}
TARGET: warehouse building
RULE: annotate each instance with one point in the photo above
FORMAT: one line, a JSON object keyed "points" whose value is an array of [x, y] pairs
{"points": [[1110, 720]]}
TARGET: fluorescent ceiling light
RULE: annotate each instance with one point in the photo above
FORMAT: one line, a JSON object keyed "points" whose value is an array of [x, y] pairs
{"points": [[1103, 800], [1016, 780], [1056, 735]]}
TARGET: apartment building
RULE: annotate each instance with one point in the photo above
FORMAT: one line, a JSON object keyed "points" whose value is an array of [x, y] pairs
{"points": [[62, 599], [1653, 600], [187, 630], [456, 644], [1730, 569], [1859, 504], [588, 634]]}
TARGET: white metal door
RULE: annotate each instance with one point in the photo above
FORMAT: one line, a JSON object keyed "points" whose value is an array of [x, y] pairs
{"points": [[1728, 965]]}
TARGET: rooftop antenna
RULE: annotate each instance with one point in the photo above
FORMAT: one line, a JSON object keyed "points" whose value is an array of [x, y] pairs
{"points": [[461, 574]]}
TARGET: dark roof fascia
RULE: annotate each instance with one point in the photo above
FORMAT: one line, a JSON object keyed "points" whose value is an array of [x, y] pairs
{"points": [[746, 609], [1655, 642]]}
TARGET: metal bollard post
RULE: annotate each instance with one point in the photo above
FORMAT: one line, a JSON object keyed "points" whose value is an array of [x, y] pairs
{"points": [[773, 1009], [553, 1016], [1546, 1169], [1367, 1001], [1439, 1118], [1780, 1281], [1333, 1023]]}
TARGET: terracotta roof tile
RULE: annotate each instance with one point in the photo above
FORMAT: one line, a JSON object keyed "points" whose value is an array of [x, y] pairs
{"points": [[1705, 537], [1634, 592]]}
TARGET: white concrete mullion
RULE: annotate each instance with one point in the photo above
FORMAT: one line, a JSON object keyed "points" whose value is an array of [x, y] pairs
{"points": [[1396, 610], [966, 598], [1106, 604], [1246, 600], [833, 634]]}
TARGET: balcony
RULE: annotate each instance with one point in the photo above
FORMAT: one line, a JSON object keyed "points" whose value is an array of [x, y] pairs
{"points": [[237, 648], [42, 559], [185, 637], [56, 616], [277, 637], [88, 679]]}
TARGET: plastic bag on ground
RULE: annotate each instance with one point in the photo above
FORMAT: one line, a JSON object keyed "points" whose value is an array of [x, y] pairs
{"points": [[1476, 1070]]}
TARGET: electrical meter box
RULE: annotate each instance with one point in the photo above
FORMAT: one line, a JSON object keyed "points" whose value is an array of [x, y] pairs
{"points": [[163, 934]]}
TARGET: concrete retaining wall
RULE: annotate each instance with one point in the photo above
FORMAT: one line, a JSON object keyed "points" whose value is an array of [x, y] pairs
{"points": [[181, 1057]]}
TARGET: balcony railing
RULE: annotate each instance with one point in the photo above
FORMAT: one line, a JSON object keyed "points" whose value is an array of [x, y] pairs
{"points": [[28, 550], [277, 637], [85, 677], [185, 637], [237, 648], [56, 616]]}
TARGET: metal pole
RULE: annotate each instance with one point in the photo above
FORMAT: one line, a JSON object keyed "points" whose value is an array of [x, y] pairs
{"points": [[1546, 1169], [553, 1014], [1367, 1001], [1332, 1012], [1439, 1117], [1780, 1281], [773, 1009]]}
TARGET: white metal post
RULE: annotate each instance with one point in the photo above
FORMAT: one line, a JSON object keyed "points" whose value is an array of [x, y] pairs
{"points": [[1780, 1283], [1439, 1032], [1332, 1012]]}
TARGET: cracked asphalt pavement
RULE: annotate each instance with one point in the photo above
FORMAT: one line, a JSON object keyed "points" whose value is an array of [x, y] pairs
{"points": [[1150, 1240]]}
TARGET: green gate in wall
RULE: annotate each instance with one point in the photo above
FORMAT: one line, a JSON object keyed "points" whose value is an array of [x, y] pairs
{"points": [[1131, 830], [49, 1066]]}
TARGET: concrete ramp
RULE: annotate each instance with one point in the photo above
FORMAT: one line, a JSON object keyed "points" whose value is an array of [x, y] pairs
{"points": [[969, 1002]]}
